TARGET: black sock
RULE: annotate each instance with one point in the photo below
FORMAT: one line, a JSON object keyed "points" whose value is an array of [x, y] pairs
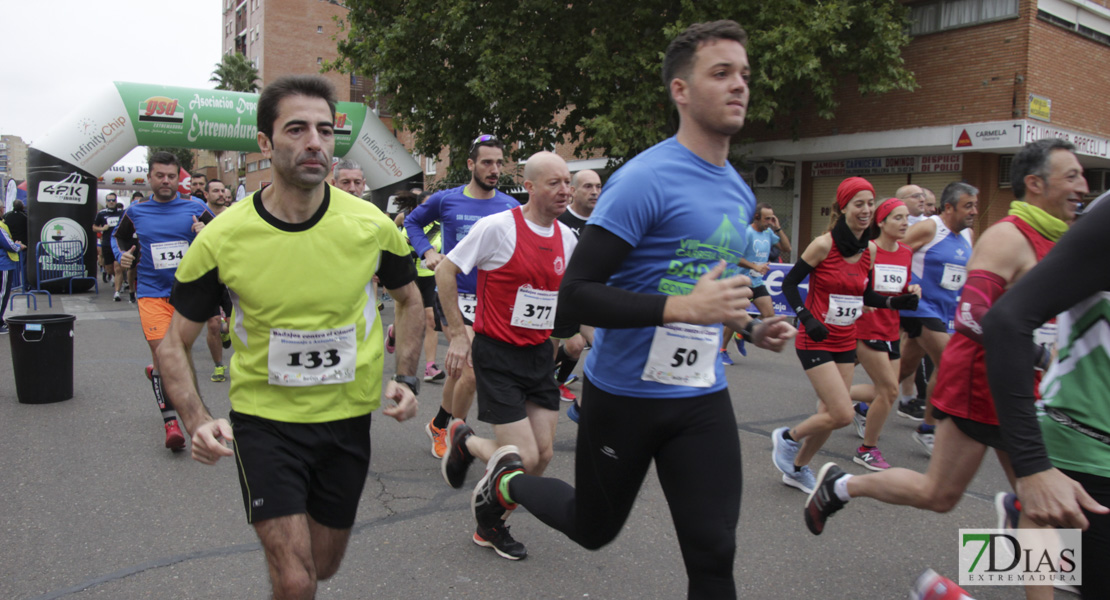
{"points": [[786, 436], [168, 413], [566, 367], [442, 418], [797, 468], [866, 447]]}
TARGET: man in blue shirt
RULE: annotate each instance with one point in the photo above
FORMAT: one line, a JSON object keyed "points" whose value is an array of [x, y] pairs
{"points": [[655, 272], [457, 210], [763, 235]]}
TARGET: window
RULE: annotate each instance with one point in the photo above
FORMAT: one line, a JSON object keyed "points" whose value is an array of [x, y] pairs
{"points": [[429, 165], [942, 15], [319, 29], [264, 163], [252, 167], [1005, 165], [319, 60]]}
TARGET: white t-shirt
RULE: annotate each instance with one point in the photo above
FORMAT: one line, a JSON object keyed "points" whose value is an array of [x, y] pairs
{"points": [[492, 241]]}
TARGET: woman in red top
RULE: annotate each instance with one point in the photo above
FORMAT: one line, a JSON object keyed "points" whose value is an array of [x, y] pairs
{"points": [[838, 263], [877, 330]]}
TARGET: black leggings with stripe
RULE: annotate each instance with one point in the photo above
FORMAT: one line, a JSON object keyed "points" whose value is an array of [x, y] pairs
{"points": [[696, 449]]}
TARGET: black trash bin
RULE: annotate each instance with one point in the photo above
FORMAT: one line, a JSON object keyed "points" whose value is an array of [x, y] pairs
{"points": [[42, 357]]}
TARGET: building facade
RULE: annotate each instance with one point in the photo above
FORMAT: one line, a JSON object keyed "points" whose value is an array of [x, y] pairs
{"points": [[991, 75], [13, 158]]}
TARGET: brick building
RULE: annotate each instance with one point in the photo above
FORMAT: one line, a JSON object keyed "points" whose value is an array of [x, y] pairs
{"points": [[991, 75], [13, 158], [282, 37]]}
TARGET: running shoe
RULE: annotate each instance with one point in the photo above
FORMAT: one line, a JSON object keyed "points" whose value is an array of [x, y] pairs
{"points": [[740, 345], [573, 377], [486, 503], [912, 409], [3, 329], [565, 394], [1008, 508], [925, 439], [783, 451], [572, 412], [871, 459], [175, 440], [219, 374], [802, 479], [823, 501], [498, 538], [860, 421], [725, 358], [457, 459], [438, 437], [116, 297], [432, 372], [390, 341], [930, 585], [132, 299]]}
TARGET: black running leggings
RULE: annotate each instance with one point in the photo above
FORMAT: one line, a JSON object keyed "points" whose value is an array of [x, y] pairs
{"points": [[696, 449]]}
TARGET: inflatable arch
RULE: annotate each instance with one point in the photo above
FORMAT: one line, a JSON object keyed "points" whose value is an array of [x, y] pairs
{"points": [[63, 167]]}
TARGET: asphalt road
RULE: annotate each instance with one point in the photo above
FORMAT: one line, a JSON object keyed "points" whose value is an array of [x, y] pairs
{"points": [[93, 506]]}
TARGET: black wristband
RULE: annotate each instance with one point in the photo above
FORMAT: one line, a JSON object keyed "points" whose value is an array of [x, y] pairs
{"points": [[412, 382], [748, 332]]}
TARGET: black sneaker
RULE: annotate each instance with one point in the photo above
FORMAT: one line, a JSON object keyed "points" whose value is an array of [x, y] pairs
{"points": [[823, 501], [486, 502], [498, 538], [913, 410], [457, 459], [132, 299]]}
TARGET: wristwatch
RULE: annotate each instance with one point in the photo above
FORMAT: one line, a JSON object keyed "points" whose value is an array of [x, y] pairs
{"points": [[409, 380], [747, 333]]}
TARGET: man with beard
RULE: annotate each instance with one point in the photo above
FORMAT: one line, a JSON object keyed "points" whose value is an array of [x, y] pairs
{"points": [[457, 210], [165, 227]]}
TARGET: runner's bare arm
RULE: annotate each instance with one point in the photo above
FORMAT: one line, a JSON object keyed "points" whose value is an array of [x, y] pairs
{"points": [[209, 435], [447, 288]]}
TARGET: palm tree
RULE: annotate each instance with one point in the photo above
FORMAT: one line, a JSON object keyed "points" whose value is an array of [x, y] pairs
{"points": [[235, 73]]}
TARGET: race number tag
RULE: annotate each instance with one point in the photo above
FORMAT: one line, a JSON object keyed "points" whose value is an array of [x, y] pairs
{"points": [[468, 304], [534, 309], [683, 354], [953, 277], [112, 221], [167, 255], [1045, 335], [304, 358], [843, 310], [890, 279]]}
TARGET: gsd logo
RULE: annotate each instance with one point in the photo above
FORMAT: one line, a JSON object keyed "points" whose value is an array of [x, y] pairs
{"points": [[160, 109]]}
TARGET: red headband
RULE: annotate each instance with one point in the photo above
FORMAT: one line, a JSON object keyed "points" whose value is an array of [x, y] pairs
{"points": [[886, 208], [849, 188]]}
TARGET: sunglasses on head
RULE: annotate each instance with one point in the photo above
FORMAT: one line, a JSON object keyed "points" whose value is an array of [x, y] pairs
{"points": [[482, 138]]}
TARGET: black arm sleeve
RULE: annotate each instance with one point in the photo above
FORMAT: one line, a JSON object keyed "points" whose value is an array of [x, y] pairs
{"points": [[125, 233], [584, 296], [1069, 274], [791, 282], [395, 271], [198, 300]]}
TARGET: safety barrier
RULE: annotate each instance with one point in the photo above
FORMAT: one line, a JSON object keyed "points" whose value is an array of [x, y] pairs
{"points": [[62, 260]]}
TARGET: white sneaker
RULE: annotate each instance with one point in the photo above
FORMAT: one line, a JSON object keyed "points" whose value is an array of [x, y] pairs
{"points": [[926, 440], [860, 422]]}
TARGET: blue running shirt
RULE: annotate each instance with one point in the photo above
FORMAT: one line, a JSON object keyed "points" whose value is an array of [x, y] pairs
{"points": [[165, 231], [758, 250], [681, 214], [457, 212], [939, 267]]}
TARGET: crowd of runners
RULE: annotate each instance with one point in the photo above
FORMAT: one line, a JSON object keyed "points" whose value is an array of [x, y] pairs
{"points": [[522, 292]]}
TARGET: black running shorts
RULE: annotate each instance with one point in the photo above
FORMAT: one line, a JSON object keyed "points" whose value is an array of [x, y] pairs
{"points": [[508, 376], [913, 325], [294, 468], [815, 358], [893, 349], [984, 433]]}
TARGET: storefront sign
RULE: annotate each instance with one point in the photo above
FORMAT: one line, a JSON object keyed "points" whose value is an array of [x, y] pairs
{"points": [[934, 163], [985, 136], [1084, 144]]}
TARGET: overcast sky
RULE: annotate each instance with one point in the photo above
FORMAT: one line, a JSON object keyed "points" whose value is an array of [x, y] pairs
{"points": [[55, 50]]}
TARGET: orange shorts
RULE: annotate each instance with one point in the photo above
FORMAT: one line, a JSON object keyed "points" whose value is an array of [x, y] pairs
{"points": [[155, 315]]}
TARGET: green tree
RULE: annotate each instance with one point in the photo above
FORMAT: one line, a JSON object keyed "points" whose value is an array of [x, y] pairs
{"points": [[537, 72], [235, 73], [184, 156]]}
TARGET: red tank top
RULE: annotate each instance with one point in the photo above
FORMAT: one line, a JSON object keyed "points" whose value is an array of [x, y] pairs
{"points": [[882, 323], [537, 264], [834, 275], [962, 388]]}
